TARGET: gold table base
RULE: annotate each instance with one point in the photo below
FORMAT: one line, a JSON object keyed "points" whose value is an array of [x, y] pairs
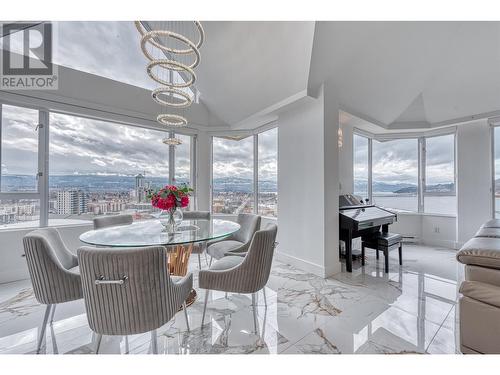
{"points": [[178, 261]]}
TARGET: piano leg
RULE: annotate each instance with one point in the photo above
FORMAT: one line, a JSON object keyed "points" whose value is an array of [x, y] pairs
{"points": [[348, 251]]}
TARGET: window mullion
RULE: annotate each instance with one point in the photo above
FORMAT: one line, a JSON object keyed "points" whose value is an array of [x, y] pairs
{"points": [[421, 173], [171, 161], [43, 166], [255, 173], [1, 145], [370, 170]]}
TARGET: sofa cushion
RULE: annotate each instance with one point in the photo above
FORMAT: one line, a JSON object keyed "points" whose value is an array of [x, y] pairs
{"points": [[482, 274], [488, 232], [493, 223], [485, 293], [481, 251]]}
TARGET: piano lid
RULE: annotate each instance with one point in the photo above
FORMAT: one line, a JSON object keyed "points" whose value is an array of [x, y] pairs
{"points": [[367, 213], [349, 201]]}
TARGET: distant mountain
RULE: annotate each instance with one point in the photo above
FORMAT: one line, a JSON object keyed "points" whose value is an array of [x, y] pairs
{"points": [[90, 183], [437, 188], [380, 187], [113, 183], [404, 188]]}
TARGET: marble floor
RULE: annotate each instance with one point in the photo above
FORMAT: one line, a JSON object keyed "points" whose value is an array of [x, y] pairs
{"points": [[412, 309]]}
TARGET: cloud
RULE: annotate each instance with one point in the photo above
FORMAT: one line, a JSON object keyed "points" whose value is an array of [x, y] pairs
{"points": [[396, 161], [81, 146]]}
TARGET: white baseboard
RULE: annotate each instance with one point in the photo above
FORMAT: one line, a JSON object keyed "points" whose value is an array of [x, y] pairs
{"points": [[12, 275], [304, 265], [449, 244]]}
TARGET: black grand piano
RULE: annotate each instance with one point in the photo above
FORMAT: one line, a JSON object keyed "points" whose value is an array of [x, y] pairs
{"points": [[360, 219]]}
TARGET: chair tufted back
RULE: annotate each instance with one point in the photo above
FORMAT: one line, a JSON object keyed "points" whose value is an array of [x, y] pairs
{"points": [[193, 215], [49, 264], [249, 225], [145, 301], [112, 220]]}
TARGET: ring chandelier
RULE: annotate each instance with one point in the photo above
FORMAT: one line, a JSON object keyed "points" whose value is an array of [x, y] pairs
{"points": [[161, 70]]}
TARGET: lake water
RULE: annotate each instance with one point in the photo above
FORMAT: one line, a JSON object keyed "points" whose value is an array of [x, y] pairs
{"points": [[445, 205]]}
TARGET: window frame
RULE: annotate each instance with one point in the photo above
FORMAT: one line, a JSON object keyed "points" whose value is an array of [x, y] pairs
{"points": [[255, 165], [42, 193], [421, 181]]}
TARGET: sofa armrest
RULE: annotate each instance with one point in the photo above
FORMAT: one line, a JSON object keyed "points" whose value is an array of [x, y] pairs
{"points": [[482, 292], [481, 251]]}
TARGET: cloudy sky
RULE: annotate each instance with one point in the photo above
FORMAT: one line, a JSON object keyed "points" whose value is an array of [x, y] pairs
{"points": [[78, 145], [397, 161]]}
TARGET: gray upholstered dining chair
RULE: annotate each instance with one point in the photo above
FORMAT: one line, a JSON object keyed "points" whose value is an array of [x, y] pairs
{"points": [[112, 220], [129, 291], [198, 248], [238, 242], [53, 271], [237, 274]]}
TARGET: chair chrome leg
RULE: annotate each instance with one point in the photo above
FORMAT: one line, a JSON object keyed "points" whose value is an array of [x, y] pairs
{"points": [[127, 348], [154, 341], [265, 298], [42, 330], [199, 261], [53, 313], [98, 343], [184, 307], [254, 303], [204, 308]]}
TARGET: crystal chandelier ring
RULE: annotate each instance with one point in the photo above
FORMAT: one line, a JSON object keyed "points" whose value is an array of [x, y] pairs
{"points": [[186, 100], [198, 25], [165, 64], [150, 35], [172, 141], [169, 119]]}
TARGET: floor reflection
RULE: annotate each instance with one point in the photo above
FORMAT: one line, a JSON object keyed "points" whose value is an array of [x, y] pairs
{"points": [[409, 310]]}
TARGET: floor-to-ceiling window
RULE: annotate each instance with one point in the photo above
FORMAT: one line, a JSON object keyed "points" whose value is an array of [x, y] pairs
{"points": [[361, 166], [267, 162], [395, 174], [98, 167], [182, 172], [232, 175], [408, 174], [439, 193], [19, 191]]}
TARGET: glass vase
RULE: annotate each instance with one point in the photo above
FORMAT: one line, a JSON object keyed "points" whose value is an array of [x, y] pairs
{"points": [[171, 219]]}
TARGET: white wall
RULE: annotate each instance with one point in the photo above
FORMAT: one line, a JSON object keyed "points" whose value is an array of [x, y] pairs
{"points": [[301, 187], [308, 165], [346, 160], [13, 266], [474, 177]]}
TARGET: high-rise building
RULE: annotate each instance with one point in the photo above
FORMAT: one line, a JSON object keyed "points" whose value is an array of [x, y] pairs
{"points": [[140, 191], [71, 202]]}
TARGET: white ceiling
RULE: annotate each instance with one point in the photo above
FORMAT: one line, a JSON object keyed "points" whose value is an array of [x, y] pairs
{"points": [[398, 75], [247, 67], [410, 74]]}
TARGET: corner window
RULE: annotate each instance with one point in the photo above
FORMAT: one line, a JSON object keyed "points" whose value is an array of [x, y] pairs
{"points": [[232, 175], [361, 167], [439, 193], [268, 173], [395, 174]]}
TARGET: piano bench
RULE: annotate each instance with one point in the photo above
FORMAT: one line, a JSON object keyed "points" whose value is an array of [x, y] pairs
{"points": [[383, 242]]}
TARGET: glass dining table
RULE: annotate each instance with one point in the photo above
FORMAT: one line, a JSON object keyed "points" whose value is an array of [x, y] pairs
{"points": [[179, 245]]}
